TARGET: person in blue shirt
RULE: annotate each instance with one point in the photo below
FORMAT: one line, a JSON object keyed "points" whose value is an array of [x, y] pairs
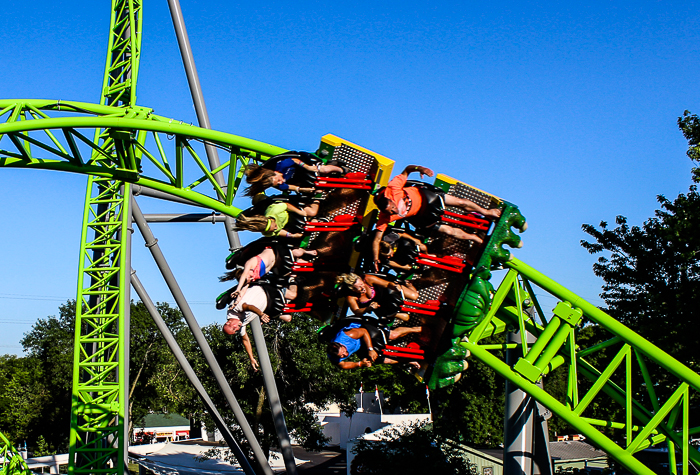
{"points": [[260, 178], [350, 340]]}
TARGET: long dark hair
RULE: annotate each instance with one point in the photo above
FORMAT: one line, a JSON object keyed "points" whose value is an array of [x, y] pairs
{"points": [[258, 178]]}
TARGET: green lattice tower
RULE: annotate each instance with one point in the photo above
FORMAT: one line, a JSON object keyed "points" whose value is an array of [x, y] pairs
{"points": [[99, 425], [131, 145]]}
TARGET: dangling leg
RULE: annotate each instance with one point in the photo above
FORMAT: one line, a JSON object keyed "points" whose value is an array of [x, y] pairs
{"points": [[471, 206], [403, 331], [459, 234]]}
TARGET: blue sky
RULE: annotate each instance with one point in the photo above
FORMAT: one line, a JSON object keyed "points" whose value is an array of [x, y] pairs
{"points": [[568, 111]]}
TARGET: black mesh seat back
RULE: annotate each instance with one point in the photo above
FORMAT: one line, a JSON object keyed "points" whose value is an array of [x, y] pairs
{"points": [[431, 208], [377, 333], [406, 252], [389, 300], [284, 261]]}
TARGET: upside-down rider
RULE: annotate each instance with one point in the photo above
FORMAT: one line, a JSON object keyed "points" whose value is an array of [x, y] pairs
{"points": [[351, 339], [399, 201], [251, 305]]}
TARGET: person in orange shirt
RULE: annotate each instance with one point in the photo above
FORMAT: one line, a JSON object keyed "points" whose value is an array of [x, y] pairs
{"points": [[399, 201]]}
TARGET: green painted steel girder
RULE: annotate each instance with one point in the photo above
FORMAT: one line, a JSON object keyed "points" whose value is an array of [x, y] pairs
{"points": [[37, 146], [619, 330], [660, 419], [12, 462]]}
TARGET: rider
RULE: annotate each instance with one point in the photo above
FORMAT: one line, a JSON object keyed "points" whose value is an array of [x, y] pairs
{"points": [[399, 201], [350, 339], [252, 304]]}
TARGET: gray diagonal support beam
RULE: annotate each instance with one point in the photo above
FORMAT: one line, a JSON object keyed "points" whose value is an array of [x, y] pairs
{"points": [[273, 398], [152, 245], [212, 218], [191, 375], [199, 105]]}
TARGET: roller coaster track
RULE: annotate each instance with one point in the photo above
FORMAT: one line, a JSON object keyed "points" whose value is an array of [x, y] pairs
{"points": [[657, 411], [118, 144], [139, 147]]}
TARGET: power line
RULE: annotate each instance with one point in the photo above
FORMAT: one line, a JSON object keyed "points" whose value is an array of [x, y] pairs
{"points": [[33, 297]]}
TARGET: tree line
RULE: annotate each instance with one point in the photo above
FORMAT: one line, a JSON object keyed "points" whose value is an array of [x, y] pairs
{"points": [[651, 275]]}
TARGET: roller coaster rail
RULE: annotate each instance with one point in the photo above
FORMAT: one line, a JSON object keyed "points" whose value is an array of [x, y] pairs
{"points": [[143, 141], [117, 143], [657, 415]]}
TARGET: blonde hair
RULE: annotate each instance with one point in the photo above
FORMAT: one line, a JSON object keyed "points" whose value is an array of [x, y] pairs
{"points": [[258, 178], [257, 223], [347, 279]]}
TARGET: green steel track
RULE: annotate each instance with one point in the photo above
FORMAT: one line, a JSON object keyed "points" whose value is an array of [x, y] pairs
{"points": [[12, 462], [153, 151], [117, 143], [660, 414]]}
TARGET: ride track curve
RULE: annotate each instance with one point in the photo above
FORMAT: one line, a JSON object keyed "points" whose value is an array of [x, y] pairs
{"points": [[130, 146]]}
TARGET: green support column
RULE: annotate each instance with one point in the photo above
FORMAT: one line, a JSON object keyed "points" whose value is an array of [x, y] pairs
{"points": [[99, 427]]}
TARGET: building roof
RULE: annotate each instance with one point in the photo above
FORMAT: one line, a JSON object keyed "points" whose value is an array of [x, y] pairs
{"points": [[573, 449], [164, 420]]}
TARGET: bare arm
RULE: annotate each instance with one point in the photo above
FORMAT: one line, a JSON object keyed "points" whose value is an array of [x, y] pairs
{"points": [[375, 248], [415, 240], [395, 265], [310, 168], [354, 304], [246, 307], [361, 333], [249, 265], [365, 363], [249, 349], [417, 168], [285, 233]]}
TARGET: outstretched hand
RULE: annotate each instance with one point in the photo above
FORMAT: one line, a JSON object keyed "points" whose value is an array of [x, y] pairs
{"points": [[254, 364], [425, 171]]}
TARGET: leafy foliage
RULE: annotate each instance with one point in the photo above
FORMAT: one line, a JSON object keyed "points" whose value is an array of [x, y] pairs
{"points": [[472, 410], [652, 274], [690, 126], [414, 449]]}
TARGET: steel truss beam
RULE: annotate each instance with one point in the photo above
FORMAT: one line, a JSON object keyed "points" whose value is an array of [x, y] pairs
{"points": [[153, 151], [655, 416], [99, 414], [12, 462]]}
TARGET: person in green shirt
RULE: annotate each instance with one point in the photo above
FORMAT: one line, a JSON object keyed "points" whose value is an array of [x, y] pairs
{"points": [[275, 218]]}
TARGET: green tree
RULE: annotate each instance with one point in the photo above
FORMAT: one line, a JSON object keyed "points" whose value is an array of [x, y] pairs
{"points": [[36, 406], [415, 449], [651, 272], [23, 397], [690, 126], [148, 355], [305, 379], [472, 410]]}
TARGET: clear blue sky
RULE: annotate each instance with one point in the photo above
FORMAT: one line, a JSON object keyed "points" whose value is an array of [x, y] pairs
{"points": [[568, 111]]}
